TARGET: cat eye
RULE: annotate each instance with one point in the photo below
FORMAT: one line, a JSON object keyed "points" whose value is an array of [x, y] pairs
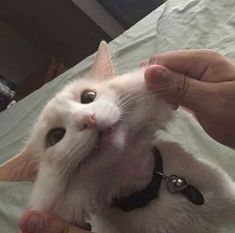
{"points": [[54, 136], [87, 97]]}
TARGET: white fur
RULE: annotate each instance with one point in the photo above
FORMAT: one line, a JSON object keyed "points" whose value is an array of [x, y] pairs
{"points": [[78, 183]]}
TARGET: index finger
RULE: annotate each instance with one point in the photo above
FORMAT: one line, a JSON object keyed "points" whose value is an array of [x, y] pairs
{"points": [[193, 63]]}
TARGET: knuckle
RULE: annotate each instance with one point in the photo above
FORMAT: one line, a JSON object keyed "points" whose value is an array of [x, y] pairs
{"points": [[214, 59], [210, 52], [182, 84], [214, 55]]}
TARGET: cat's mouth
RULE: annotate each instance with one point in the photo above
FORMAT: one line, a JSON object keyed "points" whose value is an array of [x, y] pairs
{"points": [[106, 138]]}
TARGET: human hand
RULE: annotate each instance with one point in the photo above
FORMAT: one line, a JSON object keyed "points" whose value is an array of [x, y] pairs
{"points": [[41, 222], [201, 80]]}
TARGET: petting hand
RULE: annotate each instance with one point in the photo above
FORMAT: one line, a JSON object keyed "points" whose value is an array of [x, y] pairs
{"points": [[38, 222], [201, 80]]}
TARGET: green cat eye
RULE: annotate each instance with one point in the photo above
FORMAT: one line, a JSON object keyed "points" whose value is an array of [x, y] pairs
{"points": [[54, 136], [87, 97]]}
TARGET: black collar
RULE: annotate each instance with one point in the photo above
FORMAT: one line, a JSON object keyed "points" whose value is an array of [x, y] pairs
{"points": [[141, 198]]}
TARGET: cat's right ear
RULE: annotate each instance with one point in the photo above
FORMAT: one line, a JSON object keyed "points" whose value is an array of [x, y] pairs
{"points": [[22, 167], [103, 67]]}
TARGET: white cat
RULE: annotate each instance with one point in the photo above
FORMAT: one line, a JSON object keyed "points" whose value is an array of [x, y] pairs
{"points": [[92, 150]]}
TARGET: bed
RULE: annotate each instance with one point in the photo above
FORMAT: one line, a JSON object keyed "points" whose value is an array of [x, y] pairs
{"points": [[177, 24]]}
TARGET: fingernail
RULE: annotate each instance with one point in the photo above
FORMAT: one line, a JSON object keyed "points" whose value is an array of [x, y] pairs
{"points": [[155, 76], [32, 224]]}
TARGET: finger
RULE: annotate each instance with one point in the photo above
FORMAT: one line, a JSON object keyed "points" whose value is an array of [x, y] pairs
{"points": [[38, 222], [193, 63], [196, 95]]}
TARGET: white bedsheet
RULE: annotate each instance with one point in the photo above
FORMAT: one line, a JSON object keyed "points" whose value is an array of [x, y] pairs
{"points": [[177, 24]]}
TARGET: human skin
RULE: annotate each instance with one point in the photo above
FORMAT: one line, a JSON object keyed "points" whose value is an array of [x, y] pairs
{"points": [[202, 81], [44, 222]]}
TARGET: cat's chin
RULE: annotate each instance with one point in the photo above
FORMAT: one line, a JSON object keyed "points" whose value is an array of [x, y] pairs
{"points": [[112, 138]]}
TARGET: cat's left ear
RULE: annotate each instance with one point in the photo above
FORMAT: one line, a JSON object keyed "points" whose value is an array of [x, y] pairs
{"points": [[22, 167], [103, 66]]}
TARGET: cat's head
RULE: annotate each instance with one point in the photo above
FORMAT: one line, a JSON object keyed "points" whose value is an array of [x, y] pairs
{"points": [[99, 110], [100, 113]]}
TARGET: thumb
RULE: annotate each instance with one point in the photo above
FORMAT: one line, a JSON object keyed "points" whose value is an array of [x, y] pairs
{"points": [[178, 88], [40, 222]]}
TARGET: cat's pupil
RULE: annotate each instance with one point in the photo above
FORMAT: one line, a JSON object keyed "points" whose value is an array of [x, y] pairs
{"points": [[87, 97], [54, 136]]}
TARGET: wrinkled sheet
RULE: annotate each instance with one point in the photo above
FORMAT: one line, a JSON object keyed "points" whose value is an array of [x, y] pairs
{"points": [[178, 24]]}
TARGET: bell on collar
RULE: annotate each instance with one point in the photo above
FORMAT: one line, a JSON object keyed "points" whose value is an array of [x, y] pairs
{"points": [[176, 184]]}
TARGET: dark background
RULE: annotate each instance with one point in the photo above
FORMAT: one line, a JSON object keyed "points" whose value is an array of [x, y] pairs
{"points": [[128, 12], [39, 39]]}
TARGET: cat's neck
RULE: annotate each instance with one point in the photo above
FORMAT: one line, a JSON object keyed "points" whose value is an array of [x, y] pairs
{"points": [[131, 172]]}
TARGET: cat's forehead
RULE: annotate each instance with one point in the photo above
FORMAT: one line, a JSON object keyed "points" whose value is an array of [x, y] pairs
{"points": [[88, 82]]}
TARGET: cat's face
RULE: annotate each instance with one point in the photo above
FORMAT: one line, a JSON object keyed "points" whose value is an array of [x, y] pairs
{"points": [[71, 125], [94, 114], [95, 122], [90, 116]]}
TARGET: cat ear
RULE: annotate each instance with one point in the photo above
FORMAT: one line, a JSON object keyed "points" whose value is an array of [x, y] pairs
{"points": [[103, 66], [22, 167]]}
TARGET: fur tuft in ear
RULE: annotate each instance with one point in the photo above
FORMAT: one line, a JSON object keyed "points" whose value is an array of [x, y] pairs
{"points": [[103, 66], [22, 167]]}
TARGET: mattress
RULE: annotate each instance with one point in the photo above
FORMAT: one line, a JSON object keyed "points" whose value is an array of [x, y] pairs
{"points": [[177, 24]]}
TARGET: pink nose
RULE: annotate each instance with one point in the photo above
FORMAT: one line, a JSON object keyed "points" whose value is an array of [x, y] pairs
{"points": [[89, 122]]}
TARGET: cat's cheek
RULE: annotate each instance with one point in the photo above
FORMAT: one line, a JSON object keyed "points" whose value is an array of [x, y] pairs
{"points": [[107, 115], [119, 138], [53, 156]]}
